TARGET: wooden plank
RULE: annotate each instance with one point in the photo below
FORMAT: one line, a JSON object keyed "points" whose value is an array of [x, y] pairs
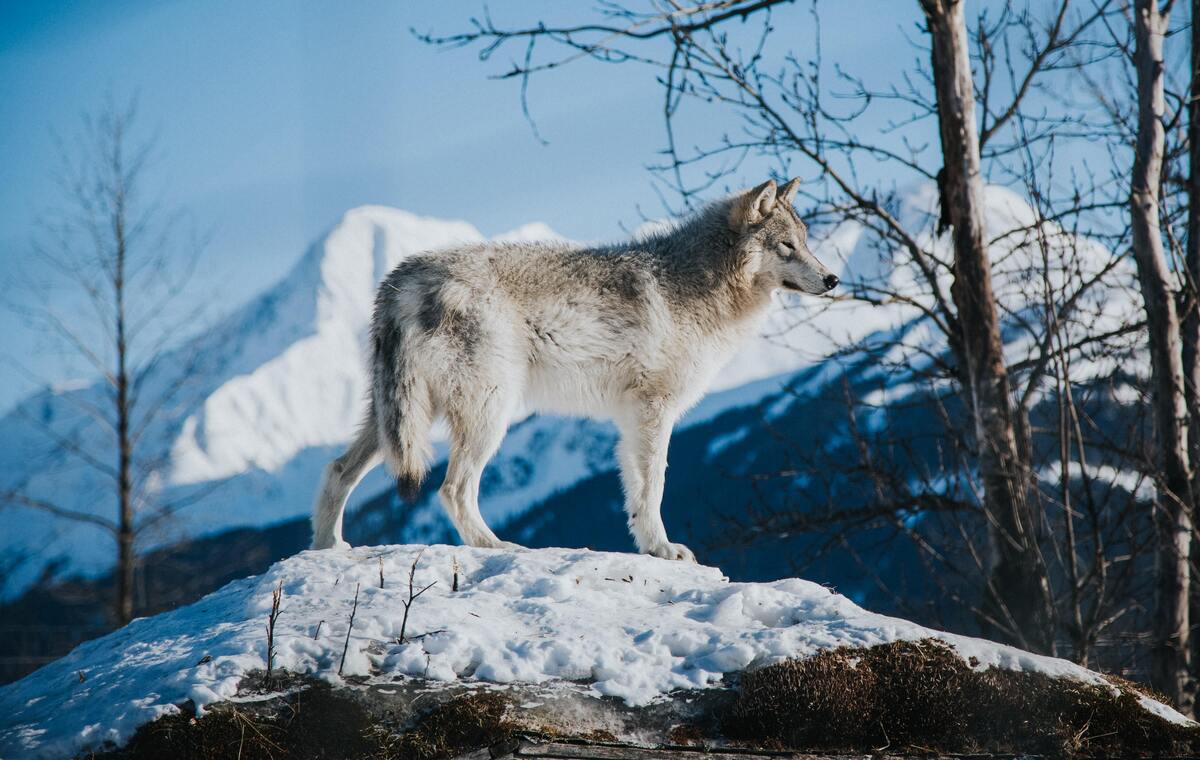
{"points": [[500, 751], [587, 751]]}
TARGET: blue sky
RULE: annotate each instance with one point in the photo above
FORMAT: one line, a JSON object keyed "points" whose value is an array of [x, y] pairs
{"points": [[272, 118]]}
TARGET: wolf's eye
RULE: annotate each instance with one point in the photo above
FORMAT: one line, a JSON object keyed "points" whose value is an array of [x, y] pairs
{"points": [[788, 247]]}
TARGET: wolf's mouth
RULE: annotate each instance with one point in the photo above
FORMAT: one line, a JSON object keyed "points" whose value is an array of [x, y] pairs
{"points": [[790, 285]]}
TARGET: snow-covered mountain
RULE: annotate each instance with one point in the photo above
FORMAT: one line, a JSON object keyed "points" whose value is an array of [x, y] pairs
{"points": [[278, 387], [273, 388]]}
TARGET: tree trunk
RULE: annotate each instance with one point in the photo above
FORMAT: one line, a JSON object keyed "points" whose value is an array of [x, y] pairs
{"points": [[125, 530], [1191, 318], [125, 565], [1191, 324], [1170, 653], [1018, 594]]}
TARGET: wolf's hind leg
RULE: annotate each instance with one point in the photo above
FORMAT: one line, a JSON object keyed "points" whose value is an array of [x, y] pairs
{"points": [[475, 435], [340, 478], [643, 458]]}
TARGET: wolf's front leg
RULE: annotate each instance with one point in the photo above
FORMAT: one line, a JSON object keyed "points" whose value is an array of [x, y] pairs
{"points": [[643, 456]]}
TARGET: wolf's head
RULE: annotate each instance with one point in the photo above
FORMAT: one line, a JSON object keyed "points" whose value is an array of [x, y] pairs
{"points": [[775, 241]]}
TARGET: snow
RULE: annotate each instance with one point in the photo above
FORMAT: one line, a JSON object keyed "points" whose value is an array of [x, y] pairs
{"points": [[1160, 710], [531, 232], [628, 626]]}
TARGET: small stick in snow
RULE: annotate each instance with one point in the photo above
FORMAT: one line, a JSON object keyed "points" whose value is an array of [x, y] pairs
{"points": [[276, 595], [317, 632], [349, 628], [412, 595], [380, 571], [454, 566]]}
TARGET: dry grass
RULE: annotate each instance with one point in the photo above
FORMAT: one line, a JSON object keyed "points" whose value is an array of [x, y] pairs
{"points": [[921, 696], [462, 724]]}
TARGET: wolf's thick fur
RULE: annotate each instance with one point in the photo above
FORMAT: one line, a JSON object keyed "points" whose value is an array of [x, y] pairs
{"points": [[632, 332]]}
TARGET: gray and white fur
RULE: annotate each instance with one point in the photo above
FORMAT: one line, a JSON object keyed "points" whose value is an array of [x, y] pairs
{"points": [[632, 332]]}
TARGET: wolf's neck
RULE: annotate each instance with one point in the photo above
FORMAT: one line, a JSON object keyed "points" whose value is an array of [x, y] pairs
{"points": [[740, 306], [708, 277]]}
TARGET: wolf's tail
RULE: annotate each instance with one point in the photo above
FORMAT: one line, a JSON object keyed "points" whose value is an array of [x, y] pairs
{"points": [[403, 411]]}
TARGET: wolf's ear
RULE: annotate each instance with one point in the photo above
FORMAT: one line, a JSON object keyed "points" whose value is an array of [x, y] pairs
{"points": [[787, 193], [753, 206]]}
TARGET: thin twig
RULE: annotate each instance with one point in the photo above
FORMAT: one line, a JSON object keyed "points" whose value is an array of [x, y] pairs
{"points": [[349, 628], [412, 596], [276, 596]]}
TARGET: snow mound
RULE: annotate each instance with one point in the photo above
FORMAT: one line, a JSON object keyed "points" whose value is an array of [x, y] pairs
{"points": [[627, 626]]}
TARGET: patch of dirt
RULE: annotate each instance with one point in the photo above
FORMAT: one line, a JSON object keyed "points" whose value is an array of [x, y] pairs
{"points": [[687, 735], [314, 722], [920, 696], [462, 724]]}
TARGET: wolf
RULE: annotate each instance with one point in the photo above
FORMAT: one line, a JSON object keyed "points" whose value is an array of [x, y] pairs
{"points": [[632, 332]]}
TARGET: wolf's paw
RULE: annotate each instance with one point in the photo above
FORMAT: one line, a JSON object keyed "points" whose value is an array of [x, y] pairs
{"points": [[673, 551], [339, 544], [494, 544]]}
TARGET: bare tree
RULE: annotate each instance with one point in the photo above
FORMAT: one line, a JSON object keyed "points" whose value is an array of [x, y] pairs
{"points": [[1171, 652], [1191, 317], [1019, 584], [116, 250]]}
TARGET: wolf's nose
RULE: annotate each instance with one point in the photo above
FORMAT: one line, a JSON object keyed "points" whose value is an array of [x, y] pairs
{"points": [[831, 281]]}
